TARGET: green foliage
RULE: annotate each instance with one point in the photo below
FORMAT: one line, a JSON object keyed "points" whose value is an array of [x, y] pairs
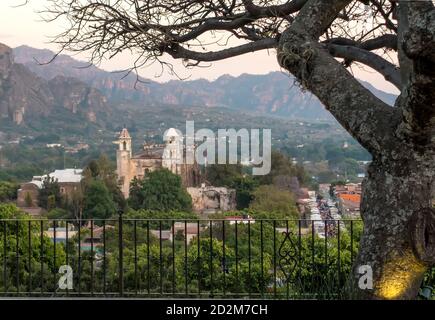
{"points": [[104, 170], [8, 191], [47, 138], [281, 165], [231, 176], [160, 190], [98, 202], [162, 215], [244, 188], [278, 203], [223, 175], [33, 251], [58, 213], [49, 195]]}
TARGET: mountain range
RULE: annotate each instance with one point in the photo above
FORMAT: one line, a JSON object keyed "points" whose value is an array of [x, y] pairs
{"points": [[26, 95], [30, 87]]}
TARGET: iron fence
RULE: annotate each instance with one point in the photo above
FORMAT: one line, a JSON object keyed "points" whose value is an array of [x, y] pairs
{"points": [[241, 258]]}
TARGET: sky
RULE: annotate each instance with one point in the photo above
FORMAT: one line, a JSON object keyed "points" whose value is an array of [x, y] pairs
{"points": [[23, 26]]}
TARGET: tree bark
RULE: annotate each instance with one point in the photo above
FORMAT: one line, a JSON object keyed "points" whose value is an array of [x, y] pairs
{"points": [[398, 241]]}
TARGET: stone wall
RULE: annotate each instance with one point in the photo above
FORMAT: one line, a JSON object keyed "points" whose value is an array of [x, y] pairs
{"points": [[26, 190], [209, 199]]}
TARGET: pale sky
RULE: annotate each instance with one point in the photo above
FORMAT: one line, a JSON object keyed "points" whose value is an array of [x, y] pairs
{"points": [[23, 26]]}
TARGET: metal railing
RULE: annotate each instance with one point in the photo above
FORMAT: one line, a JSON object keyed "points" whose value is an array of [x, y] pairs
{"points": [[280, 259]]}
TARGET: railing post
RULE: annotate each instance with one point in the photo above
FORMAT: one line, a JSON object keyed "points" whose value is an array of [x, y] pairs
{"points": [[120, 250]]}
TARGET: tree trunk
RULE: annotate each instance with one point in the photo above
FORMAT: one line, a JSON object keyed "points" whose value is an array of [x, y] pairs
{"points": [[398, 241]]}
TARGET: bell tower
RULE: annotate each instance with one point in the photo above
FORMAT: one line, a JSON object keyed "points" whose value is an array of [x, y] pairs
{"points": [[123, 159], [173, 153]]}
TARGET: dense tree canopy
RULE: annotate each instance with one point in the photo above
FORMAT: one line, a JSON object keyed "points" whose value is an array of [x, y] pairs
{"points": [[160, 190], [49, 195], [34, 250], [98, 202], [279, 203], [8, 191], [102, 169]]}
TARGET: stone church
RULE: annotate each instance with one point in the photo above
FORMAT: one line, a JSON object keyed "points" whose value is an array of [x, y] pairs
{"points": [[153, 156]]}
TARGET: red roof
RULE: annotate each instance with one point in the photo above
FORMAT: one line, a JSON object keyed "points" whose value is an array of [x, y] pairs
{"points": [[351, 197]]}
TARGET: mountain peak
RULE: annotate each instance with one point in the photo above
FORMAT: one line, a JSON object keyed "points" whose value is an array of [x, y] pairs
{"points": [[272, 93], [6, 58]]}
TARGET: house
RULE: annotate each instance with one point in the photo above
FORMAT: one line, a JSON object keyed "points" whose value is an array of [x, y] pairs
{"points": [[165, 234], [349, 188], [53, 145], [59, 235], [179, 229], [77, 148], [349, 204], [190, 229], [69, 181], [94, 237]]}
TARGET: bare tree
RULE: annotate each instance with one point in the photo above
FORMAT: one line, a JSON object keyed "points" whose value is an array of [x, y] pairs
{"points": [[317, 41]]}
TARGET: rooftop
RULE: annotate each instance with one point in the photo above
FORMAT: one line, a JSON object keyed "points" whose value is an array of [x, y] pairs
{"points": [[62, 176], [351, 197]]}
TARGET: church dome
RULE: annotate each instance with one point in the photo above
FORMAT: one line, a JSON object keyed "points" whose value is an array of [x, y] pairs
{"points": [[171, 133]]}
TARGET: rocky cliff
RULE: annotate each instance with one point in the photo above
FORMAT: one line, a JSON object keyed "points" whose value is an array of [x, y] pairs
{"points": [[274, 93], [24, 95]]}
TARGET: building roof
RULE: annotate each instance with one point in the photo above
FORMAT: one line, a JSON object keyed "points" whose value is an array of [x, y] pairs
{"points": [[60, 234], [351, 197], [67, 175], [62, 176], [166, 234], [191, 227], [154, 152]]}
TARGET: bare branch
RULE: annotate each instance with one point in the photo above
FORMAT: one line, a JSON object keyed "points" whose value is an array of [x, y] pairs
{"points": [[390, 72], [274, 10], [366, 117], [177, 51]]}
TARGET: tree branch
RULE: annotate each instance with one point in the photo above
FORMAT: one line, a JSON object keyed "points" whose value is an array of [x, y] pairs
{"points": [[368, 119], [388, 41], [275, 10], [179, 52], [390, 72]]}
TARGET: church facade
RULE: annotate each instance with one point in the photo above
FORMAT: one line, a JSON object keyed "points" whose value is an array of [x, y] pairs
{"points": [[169, 155]]}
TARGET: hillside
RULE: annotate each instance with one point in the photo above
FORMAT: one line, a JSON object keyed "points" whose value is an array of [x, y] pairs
{"points": [[274, 93], [29, 100]]}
